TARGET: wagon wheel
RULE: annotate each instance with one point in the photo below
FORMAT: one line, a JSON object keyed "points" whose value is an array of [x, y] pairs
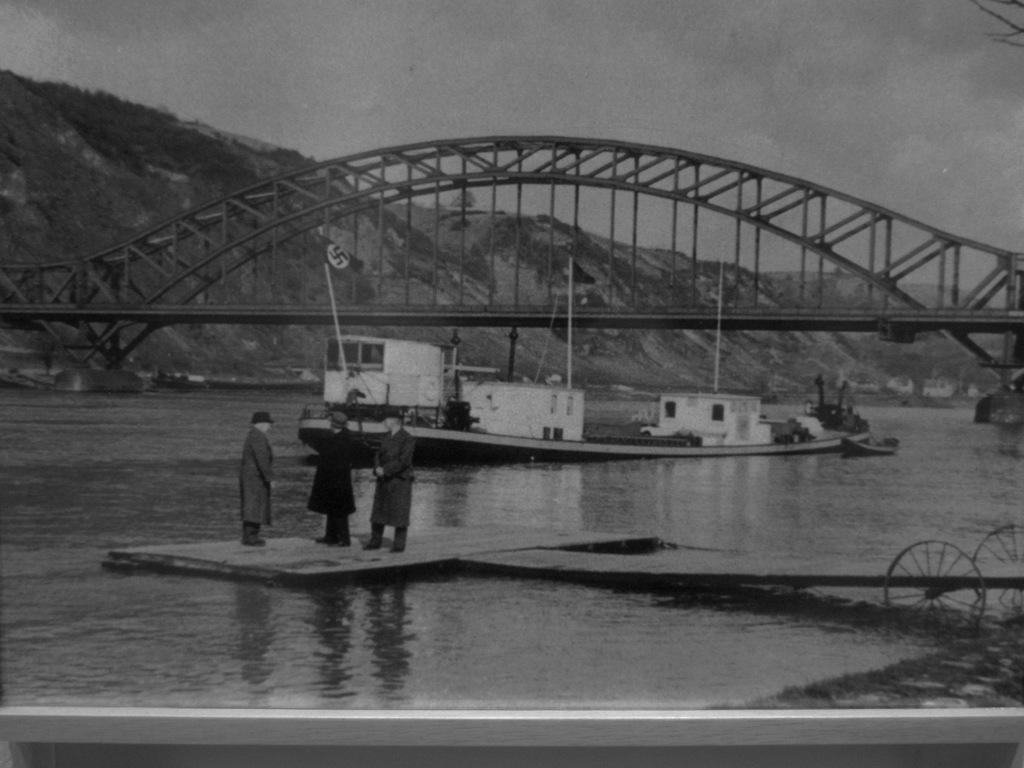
{"points": [[1002, 553], [937, 578]]}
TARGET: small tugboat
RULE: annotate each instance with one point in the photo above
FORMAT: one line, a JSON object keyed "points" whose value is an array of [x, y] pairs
{"points": [[837, 416], [458, 420], [853, 448]]}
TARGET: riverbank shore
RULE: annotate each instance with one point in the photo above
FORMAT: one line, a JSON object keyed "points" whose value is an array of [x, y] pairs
{"points": [[986, 670]]}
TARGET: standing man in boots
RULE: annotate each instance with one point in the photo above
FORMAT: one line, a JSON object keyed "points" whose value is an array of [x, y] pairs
{"points": [[332, 494], [255, 479], [392, 498]]}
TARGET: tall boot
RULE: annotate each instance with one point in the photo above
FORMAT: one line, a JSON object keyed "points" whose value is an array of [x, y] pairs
{"points": [[376, 536], [400, 536], [251, 535], [344, 538], [331, 531]]}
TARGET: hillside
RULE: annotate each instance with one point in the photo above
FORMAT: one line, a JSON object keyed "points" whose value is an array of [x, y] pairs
{"points": [[81, 170]]}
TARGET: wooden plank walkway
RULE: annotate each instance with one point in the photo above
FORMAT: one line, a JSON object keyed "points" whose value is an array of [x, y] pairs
{"points": [[292, 561]]}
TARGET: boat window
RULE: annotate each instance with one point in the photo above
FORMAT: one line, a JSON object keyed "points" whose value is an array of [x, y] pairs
{"points": [[371, 354], [718, 412], [670, 409], [554, 404], [351, 352]]}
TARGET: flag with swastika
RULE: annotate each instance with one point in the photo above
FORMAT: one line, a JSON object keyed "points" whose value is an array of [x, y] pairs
{"points": [[338, 257]]}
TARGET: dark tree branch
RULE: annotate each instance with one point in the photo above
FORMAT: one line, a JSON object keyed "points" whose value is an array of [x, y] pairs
{"points": [[1014, 35]]}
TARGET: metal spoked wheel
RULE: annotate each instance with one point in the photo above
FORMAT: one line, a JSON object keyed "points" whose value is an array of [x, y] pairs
{"points": [[937, 578], [1001, 553]]}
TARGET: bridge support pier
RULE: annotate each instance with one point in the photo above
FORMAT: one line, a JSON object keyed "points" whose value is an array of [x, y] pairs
{"points": [[1013, 357], [108, 342]]}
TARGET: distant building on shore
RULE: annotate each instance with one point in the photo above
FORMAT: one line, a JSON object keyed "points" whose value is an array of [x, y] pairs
{"points": [[939, 388], [901, 385]]}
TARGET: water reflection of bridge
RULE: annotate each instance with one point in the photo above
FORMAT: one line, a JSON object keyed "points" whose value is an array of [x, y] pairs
{"points": [[646, 228]]}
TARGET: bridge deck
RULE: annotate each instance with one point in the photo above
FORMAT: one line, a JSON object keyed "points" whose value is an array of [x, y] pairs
{"points": [[732, 319]]}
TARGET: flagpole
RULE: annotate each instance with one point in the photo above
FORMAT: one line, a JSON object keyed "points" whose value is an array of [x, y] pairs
{"points": [[334, 314]]}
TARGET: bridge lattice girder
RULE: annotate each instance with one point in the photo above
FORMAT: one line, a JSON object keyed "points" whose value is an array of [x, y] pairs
{"points": [[181, 261]]}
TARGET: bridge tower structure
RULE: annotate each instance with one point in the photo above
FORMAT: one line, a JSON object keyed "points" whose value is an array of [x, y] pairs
{"points": [[484, 231]]}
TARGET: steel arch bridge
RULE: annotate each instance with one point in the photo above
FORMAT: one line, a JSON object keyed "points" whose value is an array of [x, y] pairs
{"points": [[649, 232]]}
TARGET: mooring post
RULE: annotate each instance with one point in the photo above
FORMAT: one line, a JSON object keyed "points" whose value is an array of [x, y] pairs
{"points": [[513, 335]]}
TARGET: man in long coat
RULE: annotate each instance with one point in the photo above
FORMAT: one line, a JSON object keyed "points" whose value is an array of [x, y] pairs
{"points": [[255, 479], [392, 498], [332, 494]]}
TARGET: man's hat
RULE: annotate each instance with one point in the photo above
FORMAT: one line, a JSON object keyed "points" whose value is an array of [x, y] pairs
{"points": [[261, 417], [338, 419]]}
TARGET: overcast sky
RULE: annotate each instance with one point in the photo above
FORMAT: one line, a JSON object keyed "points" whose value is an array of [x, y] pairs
{"points": [[905, 103]]}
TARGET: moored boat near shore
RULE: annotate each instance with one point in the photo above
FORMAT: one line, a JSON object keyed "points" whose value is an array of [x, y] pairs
{"points": [[869, 447], [457, 419]]}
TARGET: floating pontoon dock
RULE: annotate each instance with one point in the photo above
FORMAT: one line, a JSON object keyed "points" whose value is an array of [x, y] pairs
{"points": [[291, 561], [927, 574]]}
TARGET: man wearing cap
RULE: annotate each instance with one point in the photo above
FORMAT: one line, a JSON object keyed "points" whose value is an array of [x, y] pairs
{"points": [[255, 479], [332, 484], [392, 498]]}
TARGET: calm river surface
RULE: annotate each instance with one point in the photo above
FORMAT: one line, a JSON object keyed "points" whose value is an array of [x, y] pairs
{"points": [[82, 474]]}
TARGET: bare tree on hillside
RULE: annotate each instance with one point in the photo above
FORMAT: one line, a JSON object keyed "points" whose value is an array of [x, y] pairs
{"points": [[1010, 14]]}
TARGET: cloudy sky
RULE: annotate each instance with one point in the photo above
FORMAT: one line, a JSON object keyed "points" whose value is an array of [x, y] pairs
{"points": [[906, 103]]}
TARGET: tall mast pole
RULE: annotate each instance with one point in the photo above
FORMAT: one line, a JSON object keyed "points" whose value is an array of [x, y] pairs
{"points": [[718, 332]]}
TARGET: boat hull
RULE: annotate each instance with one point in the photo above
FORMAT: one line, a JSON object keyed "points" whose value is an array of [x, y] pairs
{"points": [[866, 447], [439, 446], [314, 432]]}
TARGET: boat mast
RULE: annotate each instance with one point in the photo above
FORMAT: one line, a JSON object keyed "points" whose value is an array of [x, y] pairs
{"points": [[568, 367], [718, 330]]}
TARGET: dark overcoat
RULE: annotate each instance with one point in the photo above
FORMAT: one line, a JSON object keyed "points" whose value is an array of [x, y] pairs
{"points": [[392, 498], [332, 484], [255, 476]]}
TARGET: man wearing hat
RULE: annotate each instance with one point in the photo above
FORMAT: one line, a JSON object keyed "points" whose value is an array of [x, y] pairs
{"points": [[392, 499], [255, 479], [332, 484]]}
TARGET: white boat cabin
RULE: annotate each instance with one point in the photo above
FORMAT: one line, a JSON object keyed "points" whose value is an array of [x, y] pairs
{"points": [[718, 419], [525, 410], [378, 371]]}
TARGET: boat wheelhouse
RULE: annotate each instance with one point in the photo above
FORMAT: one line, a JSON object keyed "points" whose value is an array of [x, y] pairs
{"points": [[722, 419], [366, 378]]}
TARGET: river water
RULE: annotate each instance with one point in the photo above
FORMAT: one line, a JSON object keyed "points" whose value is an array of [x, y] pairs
{"points": [[83, 474]]}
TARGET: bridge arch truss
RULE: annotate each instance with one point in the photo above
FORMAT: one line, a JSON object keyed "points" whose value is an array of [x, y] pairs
{"points": [[645, 226]]}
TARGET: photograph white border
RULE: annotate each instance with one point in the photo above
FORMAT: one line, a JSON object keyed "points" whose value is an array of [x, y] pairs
{"points": [[158, 725]]}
